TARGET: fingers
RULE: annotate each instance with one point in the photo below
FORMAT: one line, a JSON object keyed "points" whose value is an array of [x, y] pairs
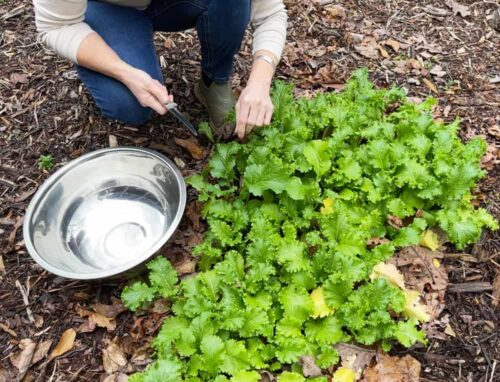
{"points": [[268, 116], [156, 97], [252, 114], [161, 93], [255, 117], [159, 97], [152, 102], [242, 111]]}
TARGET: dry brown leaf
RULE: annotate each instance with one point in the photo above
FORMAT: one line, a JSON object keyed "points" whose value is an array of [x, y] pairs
{"points": [[185, 267], [395, 221], [110, 378], [38, 320], [458, 9], [41, 351], [395, 45], [374, 241], [356, 356], [18, 78], [435, 328], [160, 306], [266, 376], [435, 303], [383, 52], [193, 148], [355, 38], [13, 233], [141, 356], [368, 48], [449, 330], [113, 358], [65, 343], [2, 266], [336, 10], [420, 274], [121, 377], [490, 159], [437, 71], [496, 291], [110, 311], [430, 85], [393, 369], [6, 329], [81, 296], [7, 375], [309, 367], [22, 360], [96, 319], [416, 264], [317, 52], [193, 212], [115, 377]]}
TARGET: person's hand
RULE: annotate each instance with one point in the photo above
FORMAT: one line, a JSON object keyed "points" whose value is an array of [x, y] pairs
{"points": [[254, 108], [148, 91]]}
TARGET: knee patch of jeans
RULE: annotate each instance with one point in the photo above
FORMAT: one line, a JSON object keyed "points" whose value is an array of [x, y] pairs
{"points": [[236, 17], [221, 29], [124, 107]]}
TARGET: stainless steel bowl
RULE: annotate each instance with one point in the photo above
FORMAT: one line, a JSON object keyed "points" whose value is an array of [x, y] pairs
{"points": [[104, 213]]}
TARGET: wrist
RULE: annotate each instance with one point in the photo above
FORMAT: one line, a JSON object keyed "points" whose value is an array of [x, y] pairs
{"points": [[259, 82], [123, 72]]}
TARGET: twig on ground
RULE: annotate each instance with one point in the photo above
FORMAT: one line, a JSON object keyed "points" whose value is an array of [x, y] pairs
{"points": [[472, 287]]}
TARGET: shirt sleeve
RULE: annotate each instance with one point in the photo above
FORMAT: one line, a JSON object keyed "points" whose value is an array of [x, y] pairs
{"points": [[60, 25], [269, 19]]}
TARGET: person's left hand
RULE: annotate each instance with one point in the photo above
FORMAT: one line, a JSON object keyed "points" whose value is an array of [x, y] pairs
{"points": [[254, 108]]}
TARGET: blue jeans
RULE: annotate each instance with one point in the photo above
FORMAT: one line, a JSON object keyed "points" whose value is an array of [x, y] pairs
{"points": [[220, 24]]}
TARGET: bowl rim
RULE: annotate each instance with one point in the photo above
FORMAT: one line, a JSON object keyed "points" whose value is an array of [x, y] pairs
{"points": [[49, 183]]}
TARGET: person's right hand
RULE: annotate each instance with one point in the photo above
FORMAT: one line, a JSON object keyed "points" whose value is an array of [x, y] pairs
{"points": [[148, 91]]}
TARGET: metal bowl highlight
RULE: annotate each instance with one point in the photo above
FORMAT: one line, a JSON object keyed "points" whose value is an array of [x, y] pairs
{"points": [[104, 213]]}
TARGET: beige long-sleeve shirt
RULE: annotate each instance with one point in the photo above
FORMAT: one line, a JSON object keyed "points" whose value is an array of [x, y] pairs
{"points": [[61, 25]]}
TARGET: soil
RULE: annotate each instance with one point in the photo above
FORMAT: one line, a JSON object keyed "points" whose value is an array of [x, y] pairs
{"points": [[423, 46]]}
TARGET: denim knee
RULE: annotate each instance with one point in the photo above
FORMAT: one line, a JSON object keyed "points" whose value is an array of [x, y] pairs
{"points": [[124, 107], [238, 17], [221, 30]]}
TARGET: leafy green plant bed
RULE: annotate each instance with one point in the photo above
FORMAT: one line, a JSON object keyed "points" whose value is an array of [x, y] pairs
{"points": [[298, 218]]}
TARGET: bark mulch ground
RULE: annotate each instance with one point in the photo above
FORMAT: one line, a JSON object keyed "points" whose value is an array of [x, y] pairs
{"points": [[429, 47]]}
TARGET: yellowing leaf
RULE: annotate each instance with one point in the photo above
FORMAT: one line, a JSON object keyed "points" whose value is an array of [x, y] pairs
{"points": [[320, 308], [430, 85], [390, 273], [430, 240], [327, 206], [449, 330], [344, 374], [436, 263], [413, 307], [65, 343]]}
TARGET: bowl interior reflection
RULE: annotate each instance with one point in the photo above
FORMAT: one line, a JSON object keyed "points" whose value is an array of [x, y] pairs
{"points": [[105, 213], [114, 226]]}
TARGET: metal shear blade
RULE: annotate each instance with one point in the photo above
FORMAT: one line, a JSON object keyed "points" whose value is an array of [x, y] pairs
{"points": [[172, 107]]}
